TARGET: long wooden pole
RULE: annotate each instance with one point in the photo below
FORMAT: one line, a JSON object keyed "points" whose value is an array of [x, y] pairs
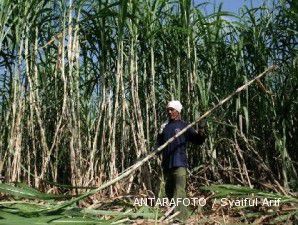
{"points": [[129, 170]]}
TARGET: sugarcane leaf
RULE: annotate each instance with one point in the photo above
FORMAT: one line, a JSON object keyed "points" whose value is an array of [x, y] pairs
{"points": [[24, 191]]}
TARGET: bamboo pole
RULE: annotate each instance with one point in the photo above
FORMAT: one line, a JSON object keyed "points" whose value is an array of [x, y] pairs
{"points": [[129, 170]]}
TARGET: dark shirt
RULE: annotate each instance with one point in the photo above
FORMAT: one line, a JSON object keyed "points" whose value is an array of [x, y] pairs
{"points": [[174, 155]]}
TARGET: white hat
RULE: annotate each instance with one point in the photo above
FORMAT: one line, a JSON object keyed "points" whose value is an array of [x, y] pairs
{"points": [[175, 105]]}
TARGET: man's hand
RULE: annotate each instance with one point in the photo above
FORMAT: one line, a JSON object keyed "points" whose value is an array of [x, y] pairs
{"points": [[202, 128], [202, 124]]}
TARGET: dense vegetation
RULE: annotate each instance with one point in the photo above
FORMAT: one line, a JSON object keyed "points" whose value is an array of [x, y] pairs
{"points": [[84, 84]]}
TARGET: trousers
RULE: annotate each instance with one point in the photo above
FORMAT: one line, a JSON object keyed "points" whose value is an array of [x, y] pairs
{"points": [[175, 185]]}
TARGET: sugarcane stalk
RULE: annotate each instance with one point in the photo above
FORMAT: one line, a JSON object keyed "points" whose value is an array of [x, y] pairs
{"points": [[129, 170]]}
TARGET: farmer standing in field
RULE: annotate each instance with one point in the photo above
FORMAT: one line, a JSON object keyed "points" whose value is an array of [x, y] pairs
{"points": [[174, 159]]}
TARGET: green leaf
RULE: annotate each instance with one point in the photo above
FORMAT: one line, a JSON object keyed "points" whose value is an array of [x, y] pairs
{"points": [[25, 191]]}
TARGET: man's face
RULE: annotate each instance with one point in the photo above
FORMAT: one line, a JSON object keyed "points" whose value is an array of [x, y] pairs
{"points": [[173, 114]]}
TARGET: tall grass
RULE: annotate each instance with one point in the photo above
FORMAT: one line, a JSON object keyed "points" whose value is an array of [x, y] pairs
{"points": [[84, 85]]}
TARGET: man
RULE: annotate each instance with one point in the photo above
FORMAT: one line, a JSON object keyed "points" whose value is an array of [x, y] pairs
{"points": [[174, 159]]}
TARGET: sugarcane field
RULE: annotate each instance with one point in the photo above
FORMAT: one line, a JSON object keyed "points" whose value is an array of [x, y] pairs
{"points": [[148, 112]]}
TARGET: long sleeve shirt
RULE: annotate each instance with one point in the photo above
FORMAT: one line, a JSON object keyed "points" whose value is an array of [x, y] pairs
{"points": [[174, 155]]}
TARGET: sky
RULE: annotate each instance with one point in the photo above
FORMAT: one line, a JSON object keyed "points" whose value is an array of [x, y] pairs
{"points": [[229, 5]]}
